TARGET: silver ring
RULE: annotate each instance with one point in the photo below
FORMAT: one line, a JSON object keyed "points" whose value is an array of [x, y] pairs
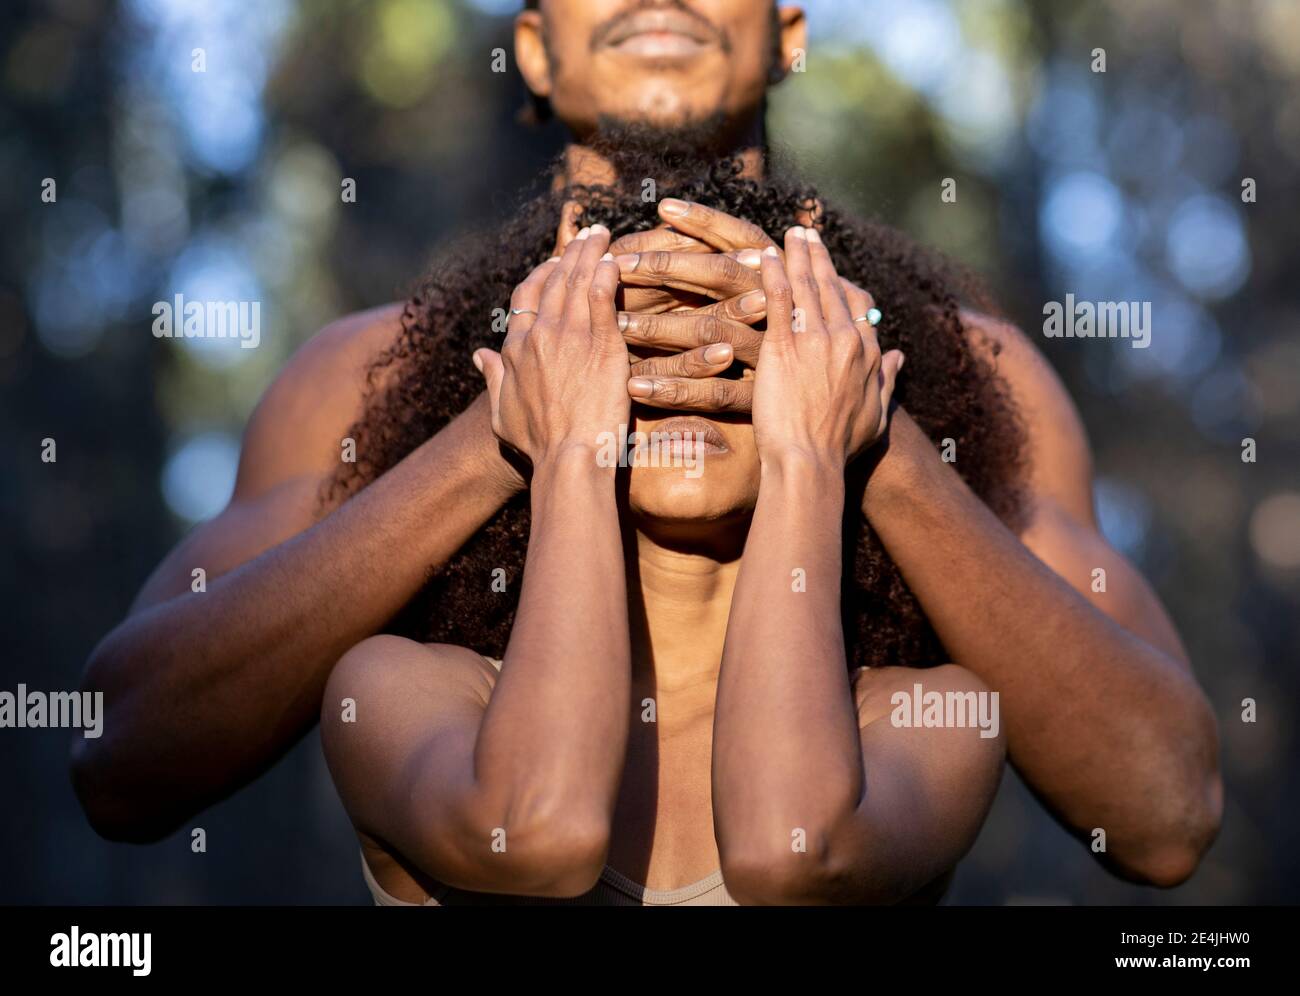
{"points": [[522, 311], [872, 316]]}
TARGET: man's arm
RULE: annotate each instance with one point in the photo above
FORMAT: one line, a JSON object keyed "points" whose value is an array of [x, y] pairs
{"points": [[1103, 716], [205, 690]]}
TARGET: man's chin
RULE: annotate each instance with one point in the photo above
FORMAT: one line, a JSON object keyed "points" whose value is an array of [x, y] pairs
{"points": [[660, 130]]}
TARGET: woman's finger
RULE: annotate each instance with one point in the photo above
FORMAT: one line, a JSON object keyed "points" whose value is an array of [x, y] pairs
{"points": [[689, 329], [525, 300], [890, 366], [555, 291], [714, 275], [776, 288], [860, 302], [490, 366], [835, 309], [709, 394], [714, 227], [803, 285]]}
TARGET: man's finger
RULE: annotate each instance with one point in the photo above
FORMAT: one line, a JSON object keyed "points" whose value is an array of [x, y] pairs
{"points": [[749, 308], [718, 229], [709, 394], [711, 274], [569, 225], [689, 329], [703, 361], [657, 238], [657, 299]]}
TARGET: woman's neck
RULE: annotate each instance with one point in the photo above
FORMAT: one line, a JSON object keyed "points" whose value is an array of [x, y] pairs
{"points": [[678, 604]]}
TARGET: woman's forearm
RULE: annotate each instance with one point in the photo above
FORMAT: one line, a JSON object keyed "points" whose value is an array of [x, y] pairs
{"points": [[551, 748], [787, 762]]}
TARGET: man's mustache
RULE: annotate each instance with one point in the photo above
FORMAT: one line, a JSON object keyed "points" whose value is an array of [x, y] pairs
{"points": [[706, 28]]}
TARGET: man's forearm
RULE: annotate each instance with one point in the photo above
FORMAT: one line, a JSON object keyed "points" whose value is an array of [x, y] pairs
{"points": [[205, 690], [1112, 732]]}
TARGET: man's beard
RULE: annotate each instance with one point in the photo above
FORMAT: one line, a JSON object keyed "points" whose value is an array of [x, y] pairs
{"points": [[668, 154]]}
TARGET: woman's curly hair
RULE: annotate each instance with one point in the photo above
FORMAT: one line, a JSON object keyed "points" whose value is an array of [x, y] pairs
{"points": [[949, 389]]}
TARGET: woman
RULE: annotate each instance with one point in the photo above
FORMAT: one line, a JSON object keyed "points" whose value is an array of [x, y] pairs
{"points": [[674, 720]]}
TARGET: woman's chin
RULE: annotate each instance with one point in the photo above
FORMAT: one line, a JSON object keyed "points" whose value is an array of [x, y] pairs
{"points": [[672, 495]]}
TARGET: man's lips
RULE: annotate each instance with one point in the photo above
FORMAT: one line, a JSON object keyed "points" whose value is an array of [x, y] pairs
{"points": [[658, 26]]}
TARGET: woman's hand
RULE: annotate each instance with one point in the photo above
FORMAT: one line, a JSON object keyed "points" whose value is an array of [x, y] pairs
{"points": [[560, 380], [821, 389]]}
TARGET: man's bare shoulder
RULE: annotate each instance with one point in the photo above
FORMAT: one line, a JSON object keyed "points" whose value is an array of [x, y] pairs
{"points": [[1060, 457], [304, 415]]}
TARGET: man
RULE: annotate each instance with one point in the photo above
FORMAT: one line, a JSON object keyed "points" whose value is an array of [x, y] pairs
{"points": [[1102, 715]]}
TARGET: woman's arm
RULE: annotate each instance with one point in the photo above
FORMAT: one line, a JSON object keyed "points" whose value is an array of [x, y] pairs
{"points": [[808, 807], [517, 797]]}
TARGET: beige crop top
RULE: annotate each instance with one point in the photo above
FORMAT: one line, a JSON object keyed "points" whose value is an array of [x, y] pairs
{"points": [[612, 889]]}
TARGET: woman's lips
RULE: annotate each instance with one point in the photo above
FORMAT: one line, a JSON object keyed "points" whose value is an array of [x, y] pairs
{"points": [[676, 434]]}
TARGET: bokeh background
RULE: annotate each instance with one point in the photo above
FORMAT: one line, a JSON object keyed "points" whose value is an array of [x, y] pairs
{"points": [[1118, 185]]}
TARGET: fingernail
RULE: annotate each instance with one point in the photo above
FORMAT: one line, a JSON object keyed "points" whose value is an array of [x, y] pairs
{"points": [[795, 232], [753, 302], [553, 259], [671, 205], [583, 234], [749, 257], [719, 352], [478, 361], [812, 235], [901, 360], [608, 257], [639, 387], [598, 228], [623, 321], [628, 261], [771, 251]]}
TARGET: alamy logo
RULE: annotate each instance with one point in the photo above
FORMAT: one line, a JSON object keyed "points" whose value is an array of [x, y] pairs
{"points": [[922, 710], [181, 319], [1098, 320], [77, 950], [24, 710], [653, 449]]}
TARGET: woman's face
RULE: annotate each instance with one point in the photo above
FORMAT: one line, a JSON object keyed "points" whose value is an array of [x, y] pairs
{"points": [[690, 467]]}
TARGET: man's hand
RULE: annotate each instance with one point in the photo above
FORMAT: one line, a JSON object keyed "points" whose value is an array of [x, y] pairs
{"points": [[662, 267]]}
